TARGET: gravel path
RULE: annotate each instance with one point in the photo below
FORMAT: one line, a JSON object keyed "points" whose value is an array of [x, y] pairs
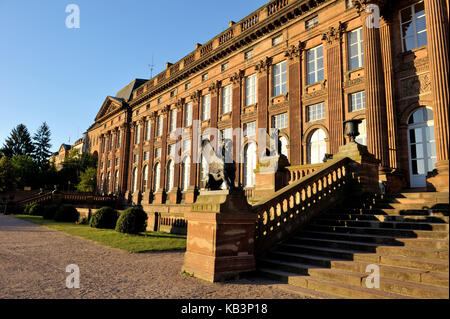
{"points": [[33, 261]]}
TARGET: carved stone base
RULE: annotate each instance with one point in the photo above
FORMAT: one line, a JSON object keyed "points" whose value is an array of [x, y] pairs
{"points": [[270, 176], [439, 182], [173, 197], [220, 239], [159, 197]]}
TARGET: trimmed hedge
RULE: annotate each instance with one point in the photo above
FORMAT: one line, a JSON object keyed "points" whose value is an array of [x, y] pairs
{"points": [[50, 211], [104, 218], [36, 210], [132, 221], [67, 213]]}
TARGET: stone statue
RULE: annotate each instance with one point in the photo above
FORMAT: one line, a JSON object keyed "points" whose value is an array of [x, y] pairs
{"points": [[221, 174]]}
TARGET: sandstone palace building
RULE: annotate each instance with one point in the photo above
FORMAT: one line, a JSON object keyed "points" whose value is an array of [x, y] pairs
{"points": [[304, 67]]}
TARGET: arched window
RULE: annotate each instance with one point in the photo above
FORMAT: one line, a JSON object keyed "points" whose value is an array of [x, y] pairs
{"points": [[157, 177], [185, 173], [170, 175], [422, 146], [317, 147], [145, 179], [134, 181], [116, 182], [284, 144], [362, 137], [249, 165], [108, 180]]}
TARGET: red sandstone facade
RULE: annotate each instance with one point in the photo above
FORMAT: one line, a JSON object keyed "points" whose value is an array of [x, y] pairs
{"points": [[313, 65]]}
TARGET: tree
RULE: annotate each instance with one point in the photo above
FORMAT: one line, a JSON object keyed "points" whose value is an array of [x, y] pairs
{"points": [[7, 179], [88, 180], [42, 146], [18, 143], [24, 171]]}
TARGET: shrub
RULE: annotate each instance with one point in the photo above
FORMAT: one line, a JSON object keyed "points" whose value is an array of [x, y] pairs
{"points": [[27, 209], [36, 210], [50, 211], [105, 218], [67, 213], [132, 221]]}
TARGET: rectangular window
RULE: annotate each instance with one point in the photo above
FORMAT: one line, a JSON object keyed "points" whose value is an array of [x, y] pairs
{"points": [[148, 130], [138, 134], [357, 101], [146, 156], [160, 125], [158, 153], [117, 161], [248, 55], [172, 150], [205, 77], [277, 40], [173, 120], [186, 146], [280, 121], [159, 100], [227, 134], [413, 27], [109, 163], [187, 86], [119, 142], [250, 90], [311, 23], [226, 99], [315, 112], [135, 158], [225, 66], [172, 93], [314, 60], [279, 78], [250, 129], [355, 49], [206, 107], [188, 115]]}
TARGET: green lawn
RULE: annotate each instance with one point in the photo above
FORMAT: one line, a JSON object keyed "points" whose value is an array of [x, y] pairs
{"points": [[132, 243]]}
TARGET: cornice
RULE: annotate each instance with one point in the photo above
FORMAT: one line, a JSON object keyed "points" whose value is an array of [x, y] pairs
{"points": [[269, 25]]}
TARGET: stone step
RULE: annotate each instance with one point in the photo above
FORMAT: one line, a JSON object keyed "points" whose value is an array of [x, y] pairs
{"points": [[389, 211], [303, 258], [381, 231], [343, 290], [396, 273], [436, 265], [441, 254], [389, 218], [306, 293], [411, 289], [378, 239], [439, 197], [380, 224]]}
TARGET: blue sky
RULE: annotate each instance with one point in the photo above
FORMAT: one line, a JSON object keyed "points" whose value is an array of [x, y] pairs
{"points": [[62, 76]]}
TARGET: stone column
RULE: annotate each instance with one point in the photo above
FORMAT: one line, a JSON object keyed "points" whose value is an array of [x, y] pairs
{"points": [[99, 164], [377, 130], [152, 119], [437, 37], [294, 55], [140, 153], [332, 39], [263, 69], [160, 196], [174, 195], [196, 115], [237, 79], [124, 157]]}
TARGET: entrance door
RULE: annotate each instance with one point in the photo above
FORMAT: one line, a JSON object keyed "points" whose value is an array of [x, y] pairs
{"points": [[422, 146]]}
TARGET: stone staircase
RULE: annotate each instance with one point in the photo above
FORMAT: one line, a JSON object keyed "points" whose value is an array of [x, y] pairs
{"points": [[405, 235]]}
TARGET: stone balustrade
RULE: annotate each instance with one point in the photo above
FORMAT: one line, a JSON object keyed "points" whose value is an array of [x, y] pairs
{"points": [[294, 205], [298, 172]]}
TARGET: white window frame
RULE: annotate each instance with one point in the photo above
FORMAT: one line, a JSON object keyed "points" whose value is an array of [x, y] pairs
{"points": [[357, 101], [206, 107], [413, 21], [227, 94], [188, 114], [315, 112], [160, 125], [359, 48], [279, 78], [251, 96], [280, 121], [315, 71]]}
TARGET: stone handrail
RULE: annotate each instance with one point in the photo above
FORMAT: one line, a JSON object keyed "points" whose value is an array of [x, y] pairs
{"points": [[293, 206], [298, 172], [70, 197]]}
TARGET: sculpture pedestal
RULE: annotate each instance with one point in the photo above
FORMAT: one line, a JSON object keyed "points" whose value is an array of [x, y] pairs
{"points": [[220, 238], [439, 182], [270, 176]]}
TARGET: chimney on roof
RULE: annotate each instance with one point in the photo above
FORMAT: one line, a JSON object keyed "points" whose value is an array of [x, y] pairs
{"points": [[230, 24], [198, 45], [168, 64]]}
